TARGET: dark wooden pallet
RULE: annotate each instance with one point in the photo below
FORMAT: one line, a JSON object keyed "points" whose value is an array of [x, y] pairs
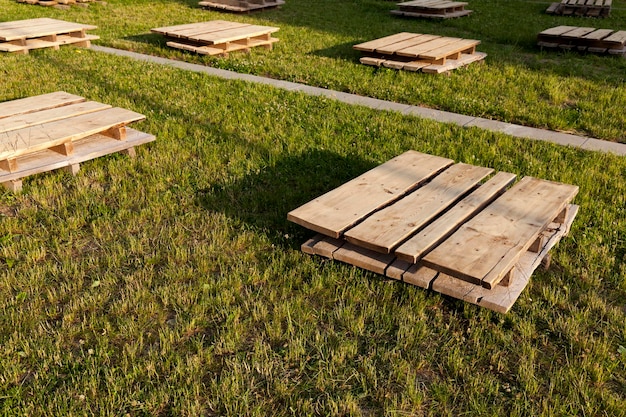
{"points": [[61, 4], [23, 35], [584, 39], [61, 130], [241, 6], [436, 224], [433, 9], [590, 8], [420, 52], [218, 37]]}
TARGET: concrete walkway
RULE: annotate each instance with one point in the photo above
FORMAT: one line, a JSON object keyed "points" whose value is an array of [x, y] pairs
{"points": [[437, 115]]}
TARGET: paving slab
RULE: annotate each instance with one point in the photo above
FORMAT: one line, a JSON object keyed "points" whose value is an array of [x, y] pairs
{"points": [[565, 139]]}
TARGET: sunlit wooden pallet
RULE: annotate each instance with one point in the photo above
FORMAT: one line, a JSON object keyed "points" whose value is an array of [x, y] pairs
{"points": [[60, 130], [59, 3], [438, 9], [584, 39], [241, 6], [591, 8], [23, 35], [218, 37], [419, 52], [436, 224]]}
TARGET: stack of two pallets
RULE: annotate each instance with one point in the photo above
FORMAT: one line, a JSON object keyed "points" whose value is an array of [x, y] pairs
{"points": [[61, 130], [429, 222], [591, 8], [434, 9], [584, 39]]}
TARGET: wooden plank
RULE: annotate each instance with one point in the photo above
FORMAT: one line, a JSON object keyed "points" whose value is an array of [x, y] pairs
{"points": [[43, 136], [418, 245], [398, 46], [618, 37], [420, 276], [234, 34], [45, 116], [37, 103], [578, 32], [448, 15], [375, 44], [363, 258], [85, 149], [339, 209], [501, 298], [419, 50], [187, 30], [450, 49], [485, 248], [452, 64], [598, 34], [557, 31], [386, 229]]}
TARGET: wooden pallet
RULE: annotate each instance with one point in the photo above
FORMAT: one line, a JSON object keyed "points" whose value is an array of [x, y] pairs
{"points": [[61, 130], [584, 39], [59, 4], [591, 8], [420, 52], [436, 224], [218, 37], [23, 35], [434, 9], [241, 6]]}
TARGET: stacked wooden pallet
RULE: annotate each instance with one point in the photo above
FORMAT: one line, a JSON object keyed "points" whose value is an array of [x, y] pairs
{"points": [[23, 35], [241, 6], [584, 39], [591, 8], [424, 220], [415, 52], [439, 9], [60, 130], [218, 37]]}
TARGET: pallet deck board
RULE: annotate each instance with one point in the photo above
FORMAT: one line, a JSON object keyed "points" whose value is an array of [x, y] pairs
{"points": [[485, 248], [478, 242], [23, 35], [339, 209], [384, 230], [441, 9], [217, 37], [241, 6], [591, 8], [415, 51], [584, 39], [42, 133]]}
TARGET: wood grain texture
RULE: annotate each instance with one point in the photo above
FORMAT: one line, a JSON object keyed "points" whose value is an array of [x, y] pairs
{"points": [[384, 230], [485, 248], [334, 212], [37, 103]]}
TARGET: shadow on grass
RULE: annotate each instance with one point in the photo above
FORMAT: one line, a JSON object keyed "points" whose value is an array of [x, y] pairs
{"points": [[148, 38], [263, 199], [343, 51]]}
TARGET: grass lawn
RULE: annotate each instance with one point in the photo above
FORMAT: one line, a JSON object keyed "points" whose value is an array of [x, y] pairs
{"points": [[518, 83], [172, 284]]}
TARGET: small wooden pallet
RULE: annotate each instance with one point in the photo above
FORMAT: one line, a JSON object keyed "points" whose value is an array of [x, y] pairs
{"points": [[418, 52], [61, 130], [241, 6], [437, 9], [430, 222], [583, 39], [218, 37], [23, 35], [591, 8], [59, 4]]}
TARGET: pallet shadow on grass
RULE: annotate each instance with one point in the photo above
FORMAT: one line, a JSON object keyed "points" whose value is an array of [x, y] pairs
{"points": [[149, 39], [343, 51], [263, 199]]}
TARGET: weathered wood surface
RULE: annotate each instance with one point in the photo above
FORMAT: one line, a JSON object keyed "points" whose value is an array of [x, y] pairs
{"points": [[241, 6], [217, 37], [584, 39], [446, 232], [334, 212], [485, 248], [441, 9], [414, 52]]}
